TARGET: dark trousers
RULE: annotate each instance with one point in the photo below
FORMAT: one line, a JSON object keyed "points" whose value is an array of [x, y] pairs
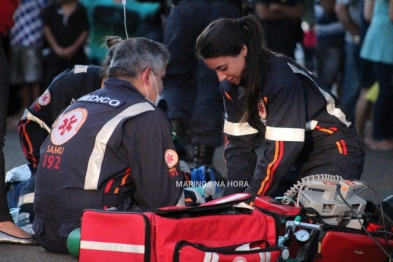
{"points": [[54, 65], [4, 92], [383, 107], [191, 89]]}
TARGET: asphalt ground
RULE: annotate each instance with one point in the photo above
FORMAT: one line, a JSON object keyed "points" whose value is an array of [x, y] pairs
{"points": [[378, 174]]}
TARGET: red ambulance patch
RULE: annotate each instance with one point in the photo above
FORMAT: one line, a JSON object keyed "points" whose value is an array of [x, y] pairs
{"points": [[262, 109], [68, 125], [44, 98], [171, 158]]}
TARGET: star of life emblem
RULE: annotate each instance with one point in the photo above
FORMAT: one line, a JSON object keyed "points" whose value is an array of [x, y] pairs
{"points": [[68, 125], [171, 158], [44, 98], [262, 111]]}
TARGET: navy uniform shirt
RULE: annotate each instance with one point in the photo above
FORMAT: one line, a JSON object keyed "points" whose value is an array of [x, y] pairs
{"points": [[38, 118], [111, 148], [115, 142], [64, 89], [302, 123]]}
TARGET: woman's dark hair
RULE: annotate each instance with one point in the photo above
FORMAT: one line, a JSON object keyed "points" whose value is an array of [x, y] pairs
{"points": [[226, 37], [110, 43]]}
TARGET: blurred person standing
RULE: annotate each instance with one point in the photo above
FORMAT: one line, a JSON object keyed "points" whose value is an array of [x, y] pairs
{"points": [[377, 47], [349, 13], [281, 24], [369, 88], [66, 29], [192, 90], [106, 17], [9, 232], [153, 26], [330, 51], [26, 44]]}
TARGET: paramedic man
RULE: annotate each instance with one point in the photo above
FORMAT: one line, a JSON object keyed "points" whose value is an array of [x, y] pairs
{"points": [[270, 96], [34, 126], [112, 148]]}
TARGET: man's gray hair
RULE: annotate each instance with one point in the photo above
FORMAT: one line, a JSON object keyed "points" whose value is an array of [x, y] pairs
{"points": [[134, 55]]}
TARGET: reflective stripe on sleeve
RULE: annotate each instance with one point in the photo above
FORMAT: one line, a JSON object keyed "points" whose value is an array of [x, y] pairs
{"points": [[330, 103], [285, 134], [29, 116], [97, 155], [238, 129]]}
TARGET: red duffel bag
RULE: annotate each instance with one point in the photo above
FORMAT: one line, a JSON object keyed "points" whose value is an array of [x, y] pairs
{"points": [[154, 236]]}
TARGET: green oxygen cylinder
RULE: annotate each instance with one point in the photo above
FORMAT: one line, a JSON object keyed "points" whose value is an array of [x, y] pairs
{"points": [[73, 242]]}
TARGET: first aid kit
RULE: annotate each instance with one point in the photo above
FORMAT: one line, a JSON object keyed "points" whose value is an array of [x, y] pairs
{"points": [[218, 229]]}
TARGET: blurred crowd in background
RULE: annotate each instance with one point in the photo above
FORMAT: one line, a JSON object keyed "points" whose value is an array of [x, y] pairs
{"points": [[346, 43]]}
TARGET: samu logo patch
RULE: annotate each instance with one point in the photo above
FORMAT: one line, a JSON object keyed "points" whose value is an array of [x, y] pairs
{"points": [[171, 158], [44, 98], [262, 111], [68, 125]]}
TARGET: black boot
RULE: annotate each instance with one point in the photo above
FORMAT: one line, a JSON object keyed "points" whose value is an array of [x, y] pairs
{"points": [[203, 156]]}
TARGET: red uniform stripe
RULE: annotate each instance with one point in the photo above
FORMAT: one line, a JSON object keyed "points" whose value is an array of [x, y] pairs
{"points": [[340, 149], [278, 154], [324, 129], [344, 146], [107, 188], [22, 132], [123, 180], [28, 151], [127, 174], [226, 142], [228, 96]]}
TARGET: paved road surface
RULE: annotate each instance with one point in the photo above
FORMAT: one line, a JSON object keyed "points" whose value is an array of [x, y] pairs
{"points": [[378, 173]]}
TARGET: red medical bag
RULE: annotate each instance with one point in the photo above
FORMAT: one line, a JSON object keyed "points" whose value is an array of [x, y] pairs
{"points": [[153, 236], [342, 244], [114, 236]]}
